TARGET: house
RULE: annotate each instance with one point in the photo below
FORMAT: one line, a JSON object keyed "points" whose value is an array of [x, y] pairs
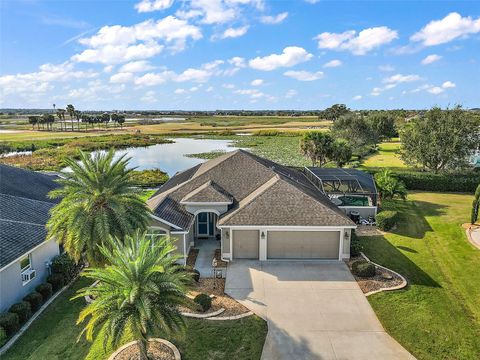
{"points": [[257, 208], [352, 190], [24, 253]]}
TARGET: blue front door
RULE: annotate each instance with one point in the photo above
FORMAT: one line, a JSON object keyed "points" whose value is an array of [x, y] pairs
{"points": [[205, 224]]}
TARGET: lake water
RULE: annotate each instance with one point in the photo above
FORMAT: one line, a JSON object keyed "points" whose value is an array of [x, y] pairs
{"points": [[171, 157]]}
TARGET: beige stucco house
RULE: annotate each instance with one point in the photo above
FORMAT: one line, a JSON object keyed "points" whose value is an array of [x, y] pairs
{"points": [[256, 208]]}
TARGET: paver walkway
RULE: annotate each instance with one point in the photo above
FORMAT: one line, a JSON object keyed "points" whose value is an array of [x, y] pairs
{"points": [[205, 256], [314, 310]]}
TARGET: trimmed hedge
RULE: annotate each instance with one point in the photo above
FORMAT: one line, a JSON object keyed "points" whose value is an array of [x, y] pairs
{"points": [[10, 323], [46, 290], [35, 299], [23, 310], [63, 264], [363, 268], [355, 246], [386, 219], [3, 336], [204, 301], [57, 281]]}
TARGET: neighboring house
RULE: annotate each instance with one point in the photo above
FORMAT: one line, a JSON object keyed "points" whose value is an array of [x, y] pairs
{"points": [[351, 190], [24, 253], [259, 209]]}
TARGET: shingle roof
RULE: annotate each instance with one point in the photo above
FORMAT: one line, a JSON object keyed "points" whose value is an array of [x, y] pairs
{"points": [[241, 174], [208, 192], [24, 210]]}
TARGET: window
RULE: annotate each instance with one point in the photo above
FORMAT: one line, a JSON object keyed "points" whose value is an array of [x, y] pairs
{"points": [[25, 263]]}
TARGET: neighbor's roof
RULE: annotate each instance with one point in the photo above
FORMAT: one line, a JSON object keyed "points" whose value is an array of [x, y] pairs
{"points": [[248, 179], [24, 211]]}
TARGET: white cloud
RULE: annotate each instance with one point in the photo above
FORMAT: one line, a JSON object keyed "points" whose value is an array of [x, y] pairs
{"points": [[291, 93], [257, 82], [180, 91], [386, 68], [359, 44], [153, 5], [121, 77], [234, 32], [399, 78], [357, 97], [291, 55], [431, 59], [237, 61], [191, 74], [312, 1], [435, 90], [304, 75], [448, 85], [149, 97], [209, 89], [274, 19], [449, 28], [228, 86], [332, 63], [136, 66], [152, 79], [117, 44], [108, 69], [253, 94]]}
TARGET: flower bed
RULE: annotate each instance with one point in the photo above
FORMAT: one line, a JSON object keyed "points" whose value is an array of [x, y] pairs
{"points": [[384, 279], [158, 349]]}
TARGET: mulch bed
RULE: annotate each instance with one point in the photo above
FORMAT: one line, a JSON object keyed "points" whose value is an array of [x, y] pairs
{"points": [[367, 230], [218, 257], [192, 257], [221, 300], [156, 351], [382, 279]]}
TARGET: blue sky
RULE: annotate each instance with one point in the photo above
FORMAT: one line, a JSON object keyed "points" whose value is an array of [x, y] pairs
{"points": [[239, 54]]}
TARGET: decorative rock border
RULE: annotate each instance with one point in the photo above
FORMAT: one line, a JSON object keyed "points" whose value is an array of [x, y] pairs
{"points": [[469, 229], [167, 343], [88, 299], [203, 316], [398, 287], [234, 317]]}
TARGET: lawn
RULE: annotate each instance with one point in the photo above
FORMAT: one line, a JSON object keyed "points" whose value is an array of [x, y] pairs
{"points": [[438, 315], [387, 156], [53, 336]]}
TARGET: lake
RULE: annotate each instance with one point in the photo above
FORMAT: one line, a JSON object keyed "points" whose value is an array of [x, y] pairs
{"points": [[171, 157]]}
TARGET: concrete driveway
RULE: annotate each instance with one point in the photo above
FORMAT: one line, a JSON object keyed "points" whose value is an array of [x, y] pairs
{"points": [[314, 310]]}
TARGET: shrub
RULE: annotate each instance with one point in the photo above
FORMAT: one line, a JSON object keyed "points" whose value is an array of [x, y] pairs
{"points": [[355, 246], [267, 132], [386, 219], [64, 265], [35, 299], [195, 275], [363, 268], [57, 281], [23, 310], [204, 301], [3, 336], [10, 323], [46, 290]]}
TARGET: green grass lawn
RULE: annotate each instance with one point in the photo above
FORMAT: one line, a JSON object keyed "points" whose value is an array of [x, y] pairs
{"points": [[438, 315], [53, 336], [387, 156]]}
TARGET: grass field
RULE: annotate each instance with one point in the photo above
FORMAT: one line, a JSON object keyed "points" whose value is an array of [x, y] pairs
{"points": [[53, 336], [387, 156], [438, 315]]}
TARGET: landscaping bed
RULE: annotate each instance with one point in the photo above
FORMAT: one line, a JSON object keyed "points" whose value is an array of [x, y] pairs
{"points": [[218, 257], [156, 351], [220, 300], [383, 278], [192, 257]]}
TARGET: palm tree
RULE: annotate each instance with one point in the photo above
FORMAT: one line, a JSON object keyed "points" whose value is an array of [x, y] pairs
{"points": [[138, 292], [61, 117], [475, 206], [71, 112], [78, 116], [98, 201], [389, 186]]}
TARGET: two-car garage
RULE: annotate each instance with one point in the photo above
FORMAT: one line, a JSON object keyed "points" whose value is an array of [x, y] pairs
{"points": [[280, 244]]}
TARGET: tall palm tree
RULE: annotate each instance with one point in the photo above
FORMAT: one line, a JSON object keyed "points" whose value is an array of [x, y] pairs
{"points": [[71, 111], [98, 201], [138, 292]]}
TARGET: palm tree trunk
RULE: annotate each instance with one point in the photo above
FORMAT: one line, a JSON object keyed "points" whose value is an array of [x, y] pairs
{"points": [[142, 347]]}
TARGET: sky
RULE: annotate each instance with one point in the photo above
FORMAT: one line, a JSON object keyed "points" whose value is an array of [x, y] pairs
{"points": [[239, 54]]}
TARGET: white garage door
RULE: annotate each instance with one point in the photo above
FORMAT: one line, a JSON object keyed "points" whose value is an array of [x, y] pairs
{"points": [[303, 244], [245, 244]]}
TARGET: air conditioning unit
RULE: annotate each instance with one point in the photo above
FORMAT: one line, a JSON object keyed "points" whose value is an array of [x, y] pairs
{"points": [[28, 275]]}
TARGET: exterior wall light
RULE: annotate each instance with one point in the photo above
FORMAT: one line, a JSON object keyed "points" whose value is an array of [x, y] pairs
{"points": [[262, 235]]}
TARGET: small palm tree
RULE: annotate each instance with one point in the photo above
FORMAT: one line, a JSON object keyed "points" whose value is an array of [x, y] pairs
{"points": [[389, 186], [98, 201], [138, 292]]}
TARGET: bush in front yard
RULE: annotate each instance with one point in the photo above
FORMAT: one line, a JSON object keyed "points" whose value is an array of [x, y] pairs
{"points": [[35, 299], [355, 246], [363, 268], [10, 322], [63, 264], [3, 336], [23, 310], [195, 275], [386, 219], [204, 301], [46, 290], [57, 281]]}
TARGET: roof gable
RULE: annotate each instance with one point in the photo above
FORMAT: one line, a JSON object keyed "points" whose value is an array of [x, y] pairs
{"points": [[210, 192]]}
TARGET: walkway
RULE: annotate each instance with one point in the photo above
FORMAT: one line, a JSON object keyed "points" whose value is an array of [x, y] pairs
{"points": [[314, 310], [205, 256]]}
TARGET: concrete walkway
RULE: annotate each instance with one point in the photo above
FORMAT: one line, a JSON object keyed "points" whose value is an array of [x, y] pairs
{"points": [[205, 256], [314, 310]]}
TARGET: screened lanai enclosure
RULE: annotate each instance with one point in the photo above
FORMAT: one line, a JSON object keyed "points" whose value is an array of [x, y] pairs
{"points": [[352, 190]]}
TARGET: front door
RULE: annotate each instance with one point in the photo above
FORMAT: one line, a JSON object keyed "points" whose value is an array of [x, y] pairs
{"points": [[205, 224]]}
